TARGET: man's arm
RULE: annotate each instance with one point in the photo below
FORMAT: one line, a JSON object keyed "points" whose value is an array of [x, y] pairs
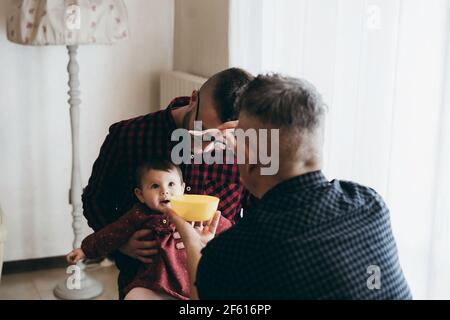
{"points": [[194, 239], [193, 253], [99, 197], [194, 248], [113, 236]]}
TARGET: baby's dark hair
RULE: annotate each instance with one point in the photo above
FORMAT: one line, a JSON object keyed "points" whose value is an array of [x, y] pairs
{"points": [[155, 164]]}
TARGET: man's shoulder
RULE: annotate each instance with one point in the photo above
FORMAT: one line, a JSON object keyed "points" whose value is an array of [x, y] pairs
{"points": [[339, 209], [152, 118], [136, 121], [341, 199], [357, 199], [356, 189]]}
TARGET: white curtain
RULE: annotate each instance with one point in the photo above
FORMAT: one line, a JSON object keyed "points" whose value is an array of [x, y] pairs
{"points": [[383, 67]]}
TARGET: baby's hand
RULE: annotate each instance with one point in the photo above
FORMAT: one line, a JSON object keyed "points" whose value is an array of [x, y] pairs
{"points": [[75, 256]]}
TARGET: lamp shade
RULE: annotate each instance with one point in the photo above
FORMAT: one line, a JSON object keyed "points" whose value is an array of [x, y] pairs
{"points": [[67, 22]]}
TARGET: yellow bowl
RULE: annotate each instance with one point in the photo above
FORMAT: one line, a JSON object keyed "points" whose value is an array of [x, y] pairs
{"points": [[195, 207]]}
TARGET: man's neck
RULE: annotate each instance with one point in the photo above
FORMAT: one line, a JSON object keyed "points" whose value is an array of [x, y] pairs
{"points": [[178, 115], [269, 182]]}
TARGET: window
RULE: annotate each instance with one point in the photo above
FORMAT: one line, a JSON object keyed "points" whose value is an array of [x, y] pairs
{"points": [[383, 68]]}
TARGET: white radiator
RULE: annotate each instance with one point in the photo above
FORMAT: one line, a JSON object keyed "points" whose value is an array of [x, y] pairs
{"points": [[174, 84]]}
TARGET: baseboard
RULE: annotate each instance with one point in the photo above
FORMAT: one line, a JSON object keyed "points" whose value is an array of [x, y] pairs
{"points": [[30, 265]]}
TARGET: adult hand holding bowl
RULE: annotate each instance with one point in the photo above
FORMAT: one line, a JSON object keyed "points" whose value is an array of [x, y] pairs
{"points": [[195, 208]]}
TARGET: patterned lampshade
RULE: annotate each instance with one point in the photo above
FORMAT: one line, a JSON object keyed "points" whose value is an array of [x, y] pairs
{"points": [[68, 22]]}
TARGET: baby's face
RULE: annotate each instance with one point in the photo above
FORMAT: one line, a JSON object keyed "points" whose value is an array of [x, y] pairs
{"points": [[158, 187]]}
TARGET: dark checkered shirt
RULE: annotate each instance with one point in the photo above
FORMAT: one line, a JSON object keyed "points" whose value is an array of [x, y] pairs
{"points": [[306, 239], [109, 193]]}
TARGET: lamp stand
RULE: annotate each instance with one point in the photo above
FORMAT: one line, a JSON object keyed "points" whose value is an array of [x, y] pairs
{"points": [[88, 287]]}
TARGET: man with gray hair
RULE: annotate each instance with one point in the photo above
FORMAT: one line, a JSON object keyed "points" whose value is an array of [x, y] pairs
{"points": [[307, 238]]}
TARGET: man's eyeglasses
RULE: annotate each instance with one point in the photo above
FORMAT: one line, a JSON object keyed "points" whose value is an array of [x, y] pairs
{"points": [[198, 106]]}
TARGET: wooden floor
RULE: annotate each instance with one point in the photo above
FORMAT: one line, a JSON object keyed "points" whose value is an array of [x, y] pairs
{"points": [[39, 285]]}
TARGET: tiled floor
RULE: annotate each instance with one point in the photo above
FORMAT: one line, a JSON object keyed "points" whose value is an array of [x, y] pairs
{"points": [[39, 285]]}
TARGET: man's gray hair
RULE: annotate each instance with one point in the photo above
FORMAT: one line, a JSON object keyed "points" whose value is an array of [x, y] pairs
{"points": [[282, 102], [292, 105]]}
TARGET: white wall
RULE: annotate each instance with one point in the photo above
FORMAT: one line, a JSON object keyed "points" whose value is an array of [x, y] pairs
{"points": [[117, 82], [201, 36]]}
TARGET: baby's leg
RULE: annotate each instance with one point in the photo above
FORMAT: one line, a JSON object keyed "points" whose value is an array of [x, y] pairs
{"points": [[146, 294]]}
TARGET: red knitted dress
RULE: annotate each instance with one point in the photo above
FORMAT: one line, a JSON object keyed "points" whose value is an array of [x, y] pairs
{"points": [[168, 270]]}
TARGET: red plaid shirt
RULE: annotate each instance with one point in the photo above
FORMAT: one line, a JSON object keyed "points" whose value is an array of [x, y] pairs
{"points": [[109, 193]]}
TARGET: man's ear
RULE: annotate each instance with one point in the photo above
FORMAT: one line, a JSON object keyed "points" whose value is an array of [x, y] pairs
{"points": [[139, 195], [194, 97], [250, 168]]}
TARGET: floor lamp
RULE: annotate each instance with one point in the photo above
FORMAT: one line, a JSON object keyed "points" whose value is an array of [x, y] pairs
{"points": [[70, 23]]}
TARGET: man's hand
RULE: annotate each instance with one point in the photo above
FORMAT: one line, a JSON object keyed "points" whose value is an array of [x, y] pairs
{"points": [[197, 233], [223, 138], [139, 249], [228, 125]]}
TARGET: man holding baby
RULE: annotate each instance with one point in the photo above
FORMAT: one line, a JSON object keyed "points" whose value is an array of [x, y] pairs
{"points": [[109, 194]]}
